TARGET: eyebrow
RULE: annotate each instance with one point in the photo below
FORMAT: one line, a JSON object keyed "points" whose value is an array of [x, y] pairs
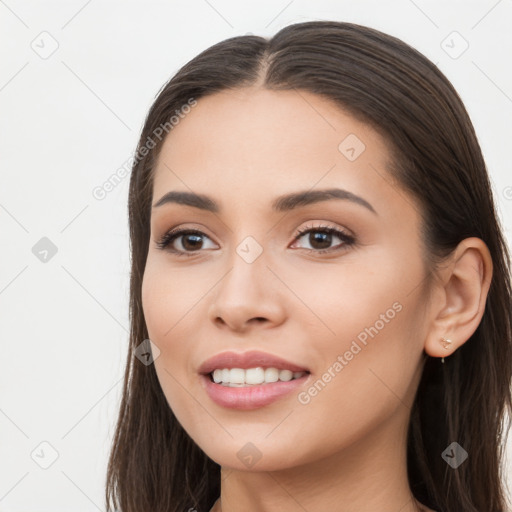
{"points": [[283, 203]]}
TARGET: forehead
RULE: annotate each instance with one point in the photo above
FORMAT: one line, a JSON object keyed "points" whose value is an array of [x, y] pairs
{"points": [[253, 142]]}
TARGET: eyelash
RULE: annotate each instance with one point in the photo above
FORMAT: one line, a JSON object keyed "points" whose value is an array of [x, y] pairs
{"points": [[170, 236]]}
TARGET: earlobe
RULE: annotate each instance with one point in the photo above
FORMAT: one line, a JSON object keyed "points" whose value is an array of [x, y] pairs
{"points": [[464, 284]]}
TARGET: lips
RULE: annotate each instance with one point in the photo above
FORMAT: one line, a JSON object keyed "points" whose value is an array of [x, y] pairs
{"points": [[245, 360], [252, 397]]}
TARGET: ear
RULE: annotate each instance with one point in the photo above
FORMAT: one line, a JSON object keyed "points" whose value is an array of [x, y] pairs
{"points": [[460, 296]]}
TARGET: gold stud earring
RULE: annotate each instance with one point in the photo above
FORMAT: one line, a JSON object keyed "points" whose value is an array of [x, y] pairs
{"points": [[446, 344]]}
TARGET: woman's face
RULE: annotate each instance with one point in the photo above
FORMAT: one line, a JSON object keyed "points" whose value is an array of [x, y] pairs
{"points": [[347, 305]]}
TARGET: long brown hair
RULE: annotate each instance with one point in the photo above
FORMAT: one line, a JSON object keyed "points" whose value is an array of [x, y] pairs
{"points": [[154, 465]]}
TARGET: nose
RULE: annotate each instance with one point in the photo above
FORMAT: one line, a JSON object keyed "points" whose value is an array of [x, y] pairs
{"points": [[247, 297]]}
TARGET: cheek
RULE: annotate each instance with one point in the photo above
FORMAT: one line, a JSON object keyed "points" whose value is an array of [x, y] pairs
{"points": [[367, 325], [342, 302], [368, 372], [169, 293], [172, 301], [162, 304]]}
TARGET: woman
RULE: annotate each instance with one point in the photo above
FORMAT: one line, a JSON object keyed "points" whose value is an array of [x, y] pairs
{"points": [[318, 264]]}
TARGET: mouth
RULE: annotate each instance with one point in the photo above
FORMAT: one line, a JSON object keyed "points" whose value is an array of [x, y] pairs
{"points": [[241, 389], [257, 376], [250, 379]]}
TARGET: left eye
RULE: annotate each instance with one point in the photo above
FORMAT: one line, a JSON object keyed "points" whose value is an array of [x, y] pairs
{"points": [[320, 238]]}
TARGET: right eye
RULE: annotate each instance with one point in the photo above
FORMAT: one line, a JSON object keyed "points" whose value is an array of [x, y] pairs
{"points": [[190, 240]]}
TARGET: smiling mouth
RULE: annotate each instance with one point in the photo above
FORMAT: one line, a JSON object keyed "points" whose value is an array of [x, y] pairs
{"points": [[239, 377]]}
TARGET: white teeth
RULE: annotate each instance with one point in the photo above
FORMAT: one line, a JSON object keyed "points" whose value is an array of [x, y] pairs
{"points": [[271, 375], [285, 375], [238, 377], [254, 376]]}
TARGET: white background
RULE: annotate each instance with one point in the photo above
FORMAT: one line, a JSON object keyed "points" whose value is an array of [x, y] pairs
{"points": [[71, 120]]}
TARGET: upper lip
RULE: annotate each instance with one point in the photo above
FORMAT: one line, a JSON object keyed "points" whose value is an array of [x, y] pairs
{"points": [[244, 360]]}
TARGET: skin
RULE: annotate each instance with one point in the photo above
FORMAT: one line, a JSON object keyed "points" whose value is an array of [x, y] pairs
{"points": [[345, 450]]}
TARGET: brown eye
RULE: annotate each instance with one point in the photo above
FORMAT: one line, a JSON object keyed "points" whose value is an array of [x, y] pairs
{"points": [[320, 238], [191, 242], [187, 240]]}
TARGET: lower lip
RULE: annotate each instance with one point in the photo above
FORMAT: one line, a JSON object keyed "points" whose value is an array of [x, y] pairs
{"points": [[250, 397]]}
